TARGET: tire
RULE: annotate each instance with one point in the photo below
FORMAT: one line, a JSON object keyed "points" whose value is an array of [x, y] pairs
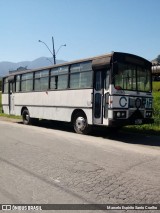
{"points": [[26, 117], [80, 124]]}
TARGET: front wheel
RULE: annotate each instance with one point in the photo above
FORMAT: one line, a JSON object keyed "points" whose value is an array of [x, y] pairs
{"points": [[26, 117], [80, 124]]}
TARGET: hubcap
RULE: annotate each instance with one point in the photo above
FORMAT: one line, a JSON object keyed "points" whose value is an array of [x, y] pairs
{"points": [[26, 117], [80, 123]]}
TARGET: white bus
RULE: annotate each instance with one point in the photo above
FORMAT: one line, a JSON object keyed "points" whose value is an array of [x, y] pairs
{"points": [[112, 90]]}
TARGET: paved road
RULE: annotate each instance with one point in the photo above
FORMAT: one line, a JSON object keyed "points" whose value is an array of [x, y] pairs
{"points": [[39, 164]]}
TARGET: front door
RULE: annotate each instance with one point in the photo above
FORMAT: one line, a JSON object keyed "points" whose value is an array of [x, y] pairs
{"points": [[98, 97]]}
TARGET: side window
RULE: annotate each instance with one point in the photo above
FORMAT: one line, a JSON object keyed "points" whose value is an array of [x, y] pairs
{"points": [[98, 82], [13, 86], [37, 85], [63, 77], [81, 75], [41, 80], [17, 83], [62, 81], [27, 82], [86, 76], [75, 76], [54, 78], [5, 85], [59, 78]]}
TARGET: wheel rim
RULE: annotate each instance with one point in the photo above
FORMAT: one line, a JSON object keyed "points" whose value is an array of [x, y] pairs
{"points": [[26, 117], [80, 123]]}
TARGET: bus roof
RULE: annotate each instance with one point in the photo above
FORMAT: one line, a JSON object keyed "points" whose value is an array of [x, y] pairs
{"points": [[95, 58]]}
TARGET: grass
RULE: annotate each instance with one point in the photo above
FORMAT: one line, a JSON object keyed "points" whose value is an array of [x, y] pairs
{"points": [[146, 129], [150, 128], [0, 99], [156, 86]]}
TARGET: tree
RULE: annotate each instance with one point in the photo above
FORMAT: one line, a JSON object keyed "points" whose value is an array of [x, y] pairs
{"points": [[158, 59], [0, 84]]}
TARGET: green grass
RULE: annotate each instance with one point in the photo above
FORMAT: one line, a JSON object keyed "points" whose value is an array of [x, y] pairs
{"points": [[10, 116], [0, 102], [156, 86], [155, 127]]}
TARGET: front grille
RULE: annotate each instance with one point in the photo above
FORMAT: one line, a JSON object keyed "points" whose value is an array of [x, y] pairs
{"points": [[136, 114]]}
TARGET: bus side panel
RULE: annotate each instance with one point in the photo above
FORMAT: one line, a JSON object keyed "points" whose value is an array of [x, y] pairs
{"points": [[5, 103], [55, 105]]}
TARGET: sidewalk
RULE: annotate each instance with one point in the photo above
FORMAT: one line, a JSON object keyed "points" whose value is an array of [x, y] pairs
{"points": [[14, 120]]}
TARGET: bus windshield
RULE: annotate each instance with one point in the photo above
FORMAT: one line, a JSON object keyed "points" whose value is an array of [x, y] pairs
{"points": [[132, 77]]}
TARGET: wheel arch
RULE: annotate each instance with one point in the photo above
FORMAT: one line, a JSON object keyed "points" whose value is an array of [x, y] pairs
{"points": [[75, 112], [23, 108]]}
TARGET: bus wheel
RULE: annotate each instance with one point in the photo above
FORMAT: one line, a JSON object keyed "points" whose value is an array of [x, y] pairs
{"points": [[26, 117], [80, 124]]}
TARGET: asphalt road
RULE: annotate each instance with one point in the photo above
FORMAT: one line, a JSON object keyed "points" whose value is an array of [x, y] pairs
{"points": [[51, 164]]}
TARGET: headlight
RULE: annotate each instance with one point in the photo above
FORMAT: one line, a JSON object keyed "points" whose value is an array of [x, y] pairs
{"points": [[148, 114], [119, 114]]}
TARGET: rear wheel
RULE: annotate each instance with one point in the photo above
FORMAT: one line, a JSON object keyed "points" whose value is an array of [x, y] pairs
{"points": [[26, 117], [80, 124]]}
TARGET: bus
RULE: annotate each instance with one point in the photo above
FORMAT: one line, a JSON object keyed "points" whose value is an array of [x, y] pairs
{"points": [[156, 72], [111, 90]]}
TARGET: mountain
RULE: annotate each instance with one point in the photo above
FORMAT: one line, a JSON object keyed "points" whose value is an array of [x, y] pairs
{"points": [[5, 66]]}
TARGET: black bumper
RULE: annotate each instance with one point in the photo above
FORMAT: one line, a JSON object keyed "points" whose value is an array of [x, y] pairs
{"points": [[126, 122]]}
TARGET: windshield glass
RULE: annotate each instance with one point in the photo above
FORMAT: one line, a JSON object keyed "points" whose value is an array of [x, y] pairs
{"points": [[132, 77]]}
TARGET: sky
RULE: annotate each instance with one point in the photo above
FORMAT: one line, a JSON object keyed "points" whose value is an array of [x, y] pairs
{"points": [[87, 27]]}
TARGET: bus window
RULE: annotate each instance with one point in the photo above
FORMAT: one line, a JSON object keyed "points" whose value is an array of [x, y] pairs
{"points": [[62, 81], [59, 78], [53, 82], [5, 87], [27, 82], [17, 83], [125, 78], [81, 75], [98, 82], [41, 80]]}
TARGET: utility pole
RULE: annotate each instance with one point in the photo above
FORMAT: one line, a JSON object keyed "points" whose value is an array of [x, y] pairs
{"points": [[52, 52]]}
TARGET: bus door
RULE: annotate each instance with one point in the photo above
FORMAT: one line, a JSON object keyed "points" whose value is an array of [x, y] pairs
{"points": [[98, 97], [11, 97], [106, 75], [101, 95]]}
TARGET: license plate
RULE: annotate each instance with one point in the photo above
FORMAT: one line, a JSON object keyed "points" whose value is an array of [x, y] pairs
{"points": [[138, 121]]}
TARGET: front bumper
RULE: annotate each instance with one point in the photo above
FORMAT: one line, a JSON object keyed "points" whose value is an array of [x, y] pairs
{"points": [[126, 122]]}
